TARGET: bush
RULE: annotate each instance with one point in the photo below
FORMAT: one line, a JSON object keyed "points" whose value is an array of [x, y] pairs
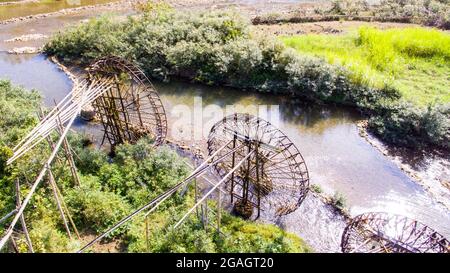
{"points": [[348, 7], [244, 237], [96, 209], [47, 238], [89, 159], [428, 12], [91, 40], [407, 125], [238, 236], [18, 107], [213, 49], [316, 188], [338, 200], [5, 154], [140, 172]]}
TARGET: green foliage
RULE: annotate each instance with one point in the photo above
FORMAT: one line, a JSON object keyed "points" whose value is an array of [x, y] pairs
{"points": [[140, 173], [95, 208], [5, 154], [435, 13], [89, 160], [414, 61], [47, 238], [213, 48], [244, 237], [153, 8], [406, 124], [316, 188], [348, 7], [338, 200], [186, 239], [18, 107], [428, 12], [91, 40], [238, 236]]}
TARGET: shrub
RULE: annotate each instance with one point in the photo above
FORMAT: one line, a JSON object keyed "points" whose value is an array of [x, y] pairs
{"points": [[238, 236], [47, 238], [18, 107], [91, 40], [96, 209], [214, 49], [88, 159], [348, 7], [407, 125], [244, 237], [427, 12], [338, 200], [5, 154], [316, 188]]}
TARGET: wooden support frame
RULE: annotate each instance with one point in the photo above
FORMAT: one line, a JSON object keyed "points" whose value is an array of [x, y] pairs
{"points": [[379, 232], [277, 168], [132, 107], [22, 218]]}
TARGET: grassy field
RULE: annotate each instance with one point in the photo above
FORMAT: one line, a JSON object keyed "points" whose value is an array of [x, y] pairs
{"points": [[415, 61]]}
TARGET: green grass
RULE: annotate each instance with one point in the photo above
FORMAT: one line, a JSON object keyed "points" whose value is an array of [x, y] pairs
{"points": [[415, 61]]}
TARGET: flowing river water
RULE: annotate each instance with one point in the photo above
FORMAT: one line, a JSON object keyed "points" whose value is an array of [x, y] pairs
{"points": [[338, 158], [18, 9]]}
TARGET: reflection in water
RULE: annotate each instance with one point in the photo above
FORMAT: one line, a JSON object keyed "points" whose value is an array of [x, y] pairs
{"points": [[35, 72], [338, 158]]}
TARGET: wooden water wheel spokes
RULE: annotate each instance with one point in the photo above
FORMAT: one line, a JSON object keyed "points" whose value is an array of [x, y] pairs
{"points": [[379, 232], [132, 108], [274, 178]]}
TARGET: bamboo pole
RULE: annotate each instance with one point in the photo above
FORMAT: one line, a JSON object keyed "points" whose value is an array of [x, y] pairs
{"points": [[67, 150], [146, 234], [38, 180], [212, 189], [14, 245], [22, 219], [11, 213], [52, 146], [157, 201], [219, 210], [69, 108], [67, 212], [58, 202]]}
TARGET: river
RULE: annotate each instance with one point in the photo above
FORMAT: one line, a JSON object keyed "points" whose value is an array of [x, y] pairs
{"points": [[338, 158], [31, 8]]}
